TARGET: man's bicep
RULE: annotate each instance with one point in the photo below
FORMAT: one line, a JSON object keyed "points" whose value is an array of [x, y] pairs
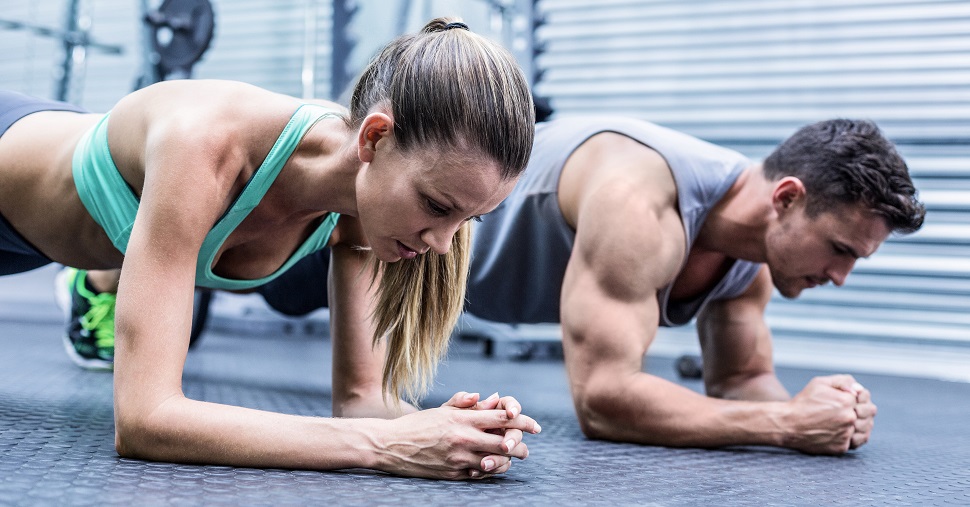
{"points": [[608, 310]]}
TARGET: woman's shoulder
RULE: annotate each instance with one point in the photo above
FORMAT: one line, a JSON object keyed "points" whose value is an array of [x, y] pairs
{"points": [[212, 109], [208, 99], [328, 104]]}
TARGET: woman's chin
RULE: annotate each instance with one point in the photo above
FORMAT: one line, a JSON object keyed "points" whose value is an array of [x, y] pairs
{"points": [[384, 257]]}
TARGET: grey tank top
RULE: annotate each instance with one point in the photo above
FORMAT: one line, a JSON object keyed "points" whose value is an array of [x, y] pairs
{"points": [[520, 250]]}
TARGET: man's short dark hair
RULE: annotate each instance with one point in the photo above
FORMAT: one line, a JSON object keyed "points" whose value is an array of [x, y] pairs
{"points": [[848, 162]]}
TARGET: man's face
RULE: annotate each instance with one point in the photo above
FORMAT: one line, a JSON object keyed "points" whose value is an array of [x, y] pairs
{"points": [[805, 251]]}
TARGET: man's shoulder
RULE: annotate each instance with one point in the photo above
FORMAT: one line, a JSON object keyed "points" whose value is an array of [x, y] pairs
{"points": [[630, 230], [623, 177]]}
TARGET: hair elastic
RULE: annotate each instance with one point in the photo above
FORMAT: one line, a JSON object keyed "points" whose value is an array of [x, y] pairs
{"points": [[455, 24]]}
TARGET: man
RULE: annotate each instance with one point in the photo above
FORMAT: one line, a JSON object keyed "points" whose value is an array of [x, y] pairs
{"points": [[620, 226]]}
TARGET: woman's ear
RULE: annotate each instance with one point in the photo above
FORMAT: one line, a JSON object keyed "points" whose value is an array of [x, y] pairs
{"points": [[375, 128]]}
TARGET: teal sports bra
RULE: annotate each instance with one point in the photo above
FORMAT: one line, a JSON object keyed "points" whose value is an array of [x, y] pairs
{"points": [[113, 204]]}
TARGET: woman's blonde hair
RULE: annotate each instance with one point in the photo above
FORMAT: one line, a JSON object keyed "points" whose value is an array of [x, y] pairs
{"points": [[449, 88]]}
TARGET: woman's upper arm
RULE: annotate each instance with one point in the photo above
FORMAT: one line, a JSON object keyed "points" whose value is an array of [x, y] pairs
{"points": [[154, 304]]}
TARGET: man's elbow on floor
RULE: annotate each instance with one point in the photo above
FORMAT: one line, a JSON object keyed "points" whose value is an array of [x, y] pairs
{"points": [[598, 415]]}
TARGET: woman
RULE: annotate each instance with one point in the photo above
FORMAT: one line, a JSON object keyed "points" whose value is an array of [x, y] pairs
{"points": [[226, 185]]}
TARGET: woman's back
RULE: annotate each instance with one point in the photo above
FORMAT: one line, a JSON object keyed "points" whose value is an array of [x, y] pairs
{"points": [[231, 125], [37, 193]]}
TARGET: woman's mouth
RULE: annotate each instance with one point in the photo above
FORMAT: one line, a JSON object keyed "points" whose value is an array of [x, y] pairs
{"points": [[405, 252]]}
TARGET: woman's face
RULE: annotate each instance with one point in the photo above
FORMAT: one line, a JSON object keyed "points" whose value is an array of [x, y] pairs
{"points": [[409, 203]]}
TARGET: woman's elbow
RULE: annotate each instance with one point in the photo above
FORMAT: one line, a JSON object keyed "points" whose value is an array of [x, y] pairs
{"points": [[130, 431], [139, 431]]}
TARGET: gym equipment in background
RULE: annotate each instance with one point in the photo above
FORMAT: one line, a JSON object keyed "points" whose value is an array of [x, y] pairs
{"points": [[177, 34], [76, 38]]}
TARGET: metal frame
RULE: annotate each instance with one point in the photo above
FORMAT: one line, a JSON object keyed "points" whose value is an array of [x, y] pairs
{"points": [[76, 39]]}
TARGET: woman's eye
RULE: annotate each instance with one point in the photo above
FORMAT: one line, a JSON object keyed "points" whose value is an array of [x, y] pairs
{"points": [[437, 209], [477, 218]]}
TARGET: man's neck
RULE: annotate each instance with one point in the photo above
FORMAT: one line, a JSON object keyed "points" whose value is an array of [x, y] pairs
{"points": [[737, 224]]}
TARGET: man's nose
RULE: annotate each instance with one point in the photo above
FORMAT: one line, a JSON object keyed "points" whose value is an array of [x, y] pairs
{"points": [[840, 271]]}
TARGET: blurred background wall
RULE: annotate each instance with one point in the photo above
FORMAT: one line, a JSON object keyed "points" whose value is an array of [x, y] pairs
{"points": [[262, 42], [741, 73]]}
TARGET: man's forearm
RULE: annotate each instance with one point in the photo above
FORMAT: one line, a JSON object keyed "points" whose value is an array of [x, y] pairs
{"points": [[649, 410]]}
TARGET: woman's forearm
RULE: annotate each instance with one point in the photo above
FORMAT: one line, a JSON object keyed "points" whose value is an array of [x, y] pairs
{"points": [[189, 431], [448, 442]]}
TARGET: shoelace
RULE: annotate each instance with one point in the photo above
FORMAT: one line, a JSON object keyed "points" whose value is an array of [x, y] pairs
{"points": [[100, 319]]}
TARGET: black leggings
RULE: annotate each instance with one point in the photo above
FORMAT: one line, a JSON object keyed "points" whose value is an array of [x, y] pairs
{"points": [[302, 288]]}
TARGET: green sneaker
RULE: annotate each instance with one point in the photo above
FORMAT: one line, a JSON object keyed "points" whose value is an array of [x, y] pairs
{"points": [[90, 336]]}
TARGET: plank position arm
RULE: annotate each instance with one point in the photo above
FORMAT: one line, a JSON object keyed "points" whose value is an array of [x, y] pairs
{"points": [[610, 317], [736, 344]]}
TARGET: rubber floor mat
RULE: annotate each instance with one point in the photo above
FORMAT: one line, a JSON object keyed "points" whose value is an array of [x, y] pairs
{"points": [[56, 440]]}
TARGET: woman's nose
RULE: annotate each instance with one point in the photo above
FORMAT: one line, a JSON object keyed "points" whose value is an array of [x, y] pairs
{"points": [[439, 238]]}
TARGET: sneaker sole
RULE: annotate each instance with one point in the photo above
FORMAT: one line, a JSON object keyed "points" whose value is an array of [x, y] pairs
{"points": [[84, 362], [63, 297]]}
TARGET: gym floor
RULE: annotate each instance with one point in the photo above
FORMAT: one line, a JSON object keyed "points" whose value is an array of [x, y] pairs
{"points": [[56, 434]]}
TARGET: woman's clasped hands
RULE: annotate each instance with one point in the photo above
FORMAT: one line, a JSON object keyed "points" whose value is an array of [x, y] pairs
{"points": [[464, 438]]}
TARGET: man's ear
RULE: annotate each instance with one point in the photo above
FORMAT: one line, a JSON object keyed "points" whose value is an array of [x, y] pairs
{"points": [[788, 192], [375, 128]]}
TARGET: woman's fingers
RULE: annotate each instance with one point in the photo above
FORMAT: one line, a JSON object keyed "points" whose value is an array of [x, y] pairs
{"points": [[489, 403], [496, 464], [502, 412], [509, 444], [504, 464], [480, 467], [865, 410], [498, 425], [508, 403], [504, 467], [498, 451], [462, 399], [511, 406], [492, 419], [510, 439]]}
